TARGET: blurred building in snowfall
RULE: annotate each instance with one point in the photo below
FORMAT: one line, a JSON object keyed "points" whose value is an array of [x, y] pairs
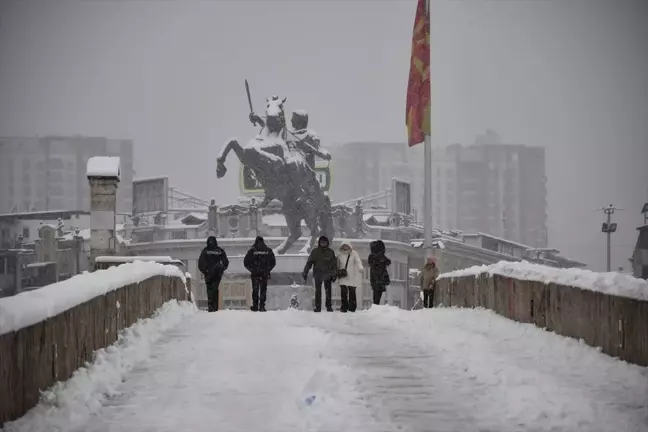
{"points": [[489, 187], [40, 174]]}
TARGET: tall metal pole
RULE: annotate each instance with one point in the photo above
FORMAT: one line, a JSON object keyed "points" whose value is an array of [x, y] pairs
{"points": [[427, 178], [608, 229], [427, 198], [609, 238]]}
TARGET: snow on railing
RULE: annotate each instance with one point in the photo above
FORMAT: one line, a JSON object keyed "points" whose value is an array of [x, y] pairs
{"points": [[32, 307], [608, 283]]}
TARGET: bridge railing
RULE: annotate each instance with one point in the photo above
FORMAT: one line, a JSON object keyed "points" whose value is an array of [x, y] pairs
{"points": [[47, 334], [615, 320]]}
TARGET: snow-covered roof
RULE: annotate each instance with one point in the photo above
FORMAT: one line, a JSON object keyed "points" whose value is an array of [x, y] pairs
{"points": [[124, 259], [40, 264], [380, 218], [31, 307], [194, 217], [499, 239], [608, 283], [146, 179], [84, 233], [103, 166], [45, 215]]}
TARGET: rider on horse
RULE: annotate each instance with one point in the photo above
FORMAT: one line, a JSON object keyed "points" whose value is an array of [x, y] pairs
{"points": [[303, 140], [300, 137]]}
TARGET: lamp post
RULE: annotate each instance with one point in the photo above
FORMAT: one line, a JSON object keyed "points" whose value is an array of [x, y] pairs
{"points": [[608, 228]]}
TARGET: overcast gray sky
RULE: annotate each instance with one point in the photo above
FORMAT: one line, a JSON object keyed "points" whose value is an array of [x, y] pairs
{"points": [[569, 75]]}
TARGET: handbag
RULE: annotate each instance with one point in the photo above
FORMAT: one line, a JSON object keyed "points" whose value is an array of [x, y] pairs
{"points": [[342, 273]]}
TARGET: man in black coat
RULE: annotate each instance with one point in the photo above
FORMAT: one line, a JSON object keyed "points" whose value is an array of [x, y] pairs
{"points": [[324, 263], [378, 263], [212, 264], [259, 260]]}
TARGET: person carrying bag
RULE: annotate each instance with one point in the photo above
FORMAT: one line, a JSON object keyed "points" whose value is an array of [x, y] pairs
{"points": [[349, 276]]}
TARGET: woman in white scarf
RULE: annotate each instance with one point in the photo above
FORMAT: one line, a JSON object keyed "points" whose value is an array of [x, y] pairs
{"points": [[349, 261]]}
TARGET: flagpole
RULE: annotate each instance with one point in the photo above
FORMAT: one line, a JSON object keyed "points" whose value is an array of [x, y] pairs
{"points": [[427, 172]]}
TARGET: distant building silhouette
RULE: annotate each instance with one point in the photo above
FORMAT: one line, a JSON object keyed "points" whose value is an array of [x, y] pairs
{"points": [[49, 173]]}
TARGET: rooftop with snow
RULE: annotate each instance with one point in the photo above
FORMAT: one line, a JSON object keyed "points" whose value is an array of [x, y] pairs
{"points": [[103, 166]]}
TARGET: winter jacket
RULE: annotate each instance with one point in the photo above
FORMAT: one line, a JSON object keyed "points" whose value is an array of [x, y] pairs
{"points": [[354, 268], [429, 275], [213, 261], [259, 260], [378, 263], [323, 261]]}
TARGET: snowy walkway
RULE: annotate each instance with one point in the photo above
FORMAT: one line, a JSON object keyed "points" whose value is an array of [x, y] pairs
{"points": [[380, 370]]}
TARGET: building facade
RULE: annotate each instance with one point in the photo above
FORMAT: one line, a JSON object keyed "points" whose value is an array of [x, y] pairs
{"points": [[49, 173], [363, 168], [487, 187], [498, 189]]}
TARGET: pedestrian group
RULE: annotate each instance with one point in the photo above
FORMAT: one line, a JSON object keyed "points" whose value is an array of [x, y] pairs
{"points": [[345, 267]]}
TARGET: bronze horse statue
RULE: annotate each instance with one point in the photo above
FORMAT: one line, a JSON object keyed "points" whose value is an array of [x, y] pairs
{"points": [[285, 175]]}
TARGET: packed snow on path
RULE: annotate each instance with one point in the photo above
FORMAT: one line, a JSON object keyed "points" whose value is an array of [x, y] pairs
{"points": [[384, 369], [70, 403]]}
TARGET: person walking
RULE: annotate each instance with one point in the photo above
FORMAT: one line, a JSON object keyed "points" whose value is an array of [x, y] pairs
{"points": [[429, 275], [350, 271], [259, 261], [212, 263], [378, 263], [324, 264]]}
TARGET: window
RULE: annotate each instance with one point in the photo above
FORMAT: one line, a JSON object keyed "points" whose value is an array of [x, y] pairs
{"points": [[179, 235], [25, 233], [56, 176], [56, 163]]}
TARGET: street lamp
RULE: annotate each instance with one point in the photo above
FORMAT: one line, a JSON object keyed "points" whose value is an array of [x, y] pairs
{"points": [[608, 228]]}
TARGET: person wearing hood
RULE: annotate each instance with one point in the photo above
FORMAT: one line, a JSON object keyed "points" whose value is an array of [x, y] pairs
{"points": [[324, 264], [429, 275], [378, 263], [212, 264], [350, 271], [259, 261]]}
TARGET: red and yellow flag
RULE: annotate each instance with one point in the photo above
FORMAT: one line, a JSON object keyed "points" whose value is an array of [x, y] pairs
{"points": [[418, 87]]}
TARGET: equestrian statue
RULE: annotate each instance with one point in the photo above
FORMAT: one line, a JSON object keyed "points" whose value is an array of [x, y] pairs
{"points": [[283, 162]]}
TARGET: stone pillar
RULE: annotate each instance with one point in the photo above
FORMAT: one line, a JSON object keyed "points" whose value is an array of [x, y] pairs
{"points": [[78, 251], [213, 219], [254, 219], [103, 175], [359, 214], [19, 271]]}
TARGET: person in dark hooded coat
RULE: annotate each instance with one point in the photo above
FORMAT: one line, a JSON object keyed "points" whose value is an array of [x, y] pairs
{"points": [[259, 260], [212, 264], [324, 263], [378, 263]]}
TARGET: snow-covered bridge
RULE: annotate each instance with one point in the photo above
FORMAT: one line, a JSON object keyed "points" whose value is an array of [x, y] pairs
{"points": [[384, 369]]}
